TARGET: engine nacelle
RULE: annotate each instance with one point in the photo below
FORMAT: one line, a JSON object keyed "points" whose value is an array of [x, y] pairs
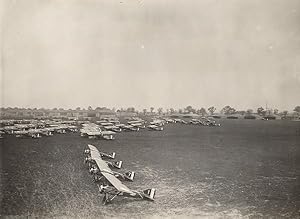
{"points": [[103, 188], [93, 170], [97, 178], [88, 160]]}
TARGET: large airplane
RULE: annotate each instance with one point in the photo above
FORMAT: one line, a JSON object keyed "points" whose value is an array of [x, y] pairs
{"points": [[113, 186], [94, 162]]}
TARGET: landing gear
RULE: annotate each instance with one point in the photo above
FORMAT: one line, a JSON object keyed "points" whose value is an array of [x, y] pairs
{"points": [[105, 199], [97, 178], [108, 198]]}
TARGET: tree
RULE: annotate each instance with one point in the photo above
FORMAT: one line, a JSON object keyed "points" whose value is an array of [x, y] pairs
{"points": [[284, 113], [78, 108], [172, 110], [145, 111], [151, 109], [130, 109], [189, 109], [297, 109], [211, 109], [90, 108], [202, 111], [249, 111], [159, 110], [180, 111], [261, 111], [276, 111], [227, 110]]}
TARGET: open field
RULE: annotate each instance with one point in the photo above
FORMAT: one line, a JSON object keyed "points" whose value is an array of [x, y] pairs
{"points": [[241, 169]]}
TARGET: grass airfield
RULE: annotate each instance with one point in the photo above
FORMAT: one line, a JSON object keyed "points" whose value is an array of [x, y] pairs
{"points": [[242, 169]]}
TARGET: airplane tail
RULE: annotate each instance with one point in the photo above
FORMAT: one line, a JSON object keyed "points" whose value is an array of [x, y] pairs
{"points": [[112, 155], [149, 194], [118, 164], [129, 175]]}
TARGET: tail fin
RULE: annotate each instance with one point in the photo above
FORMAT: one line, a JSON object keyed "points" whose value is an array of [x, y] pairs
{"points": [[118, 164], [129, 175], [113, 155], [149, 193]]}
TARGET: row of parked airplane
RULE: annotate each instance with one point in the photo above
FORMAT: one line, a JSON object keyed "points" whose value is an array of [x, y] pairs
{"points": [[106, 129], [109, 181], [35, 128], [204, 121]]}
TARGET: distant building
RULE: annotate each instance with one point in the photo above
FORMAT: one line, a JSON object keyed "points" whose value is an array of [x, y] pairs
{"points": [[126, 114]]}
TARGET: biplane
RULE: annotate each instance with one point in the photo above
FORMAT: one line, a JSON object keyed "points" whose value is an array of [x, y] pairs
{"points": [[108, 135], [157, 122], [155, 128], [130, 128], [113, 128], [109, 184], [95, 162], [138, 125]]}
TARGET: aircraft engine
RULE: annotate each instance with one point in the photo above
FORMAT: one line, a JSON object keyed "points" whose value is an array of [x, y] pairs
{"points": [[93, 170], [88, 160]]}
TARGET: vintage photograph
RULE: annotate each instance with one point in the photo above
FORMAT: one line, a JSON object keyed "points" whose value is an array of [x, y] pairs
{"points": [[150, 109]]}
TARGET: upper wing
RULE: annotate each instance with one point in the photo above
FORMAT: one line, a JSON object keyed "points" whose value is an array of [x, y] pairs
{"points": [[92, 147], [95, 154], [102, 165], [106, 171], [116, 183]]}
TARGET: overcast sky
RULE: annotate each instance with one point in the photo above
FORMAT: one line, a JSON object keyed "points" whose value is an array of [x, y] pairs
{"points": [[161, 53]]}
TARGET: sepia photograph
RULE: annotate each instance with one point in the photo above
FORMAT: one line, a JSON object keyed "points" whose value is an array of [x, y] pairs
{"points": [[150, 109]]}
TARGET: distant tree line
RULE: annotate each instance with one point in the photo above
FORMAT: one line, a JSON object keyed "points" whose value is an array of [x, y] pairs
{"points": [[226, 110]]}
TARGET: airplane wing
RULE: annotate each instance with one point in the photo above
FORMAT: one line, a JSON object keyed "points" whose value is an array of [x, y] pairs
{"points": [[92, 147], [107, 172], [117, 183], [102, 165], [95, 154]]}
